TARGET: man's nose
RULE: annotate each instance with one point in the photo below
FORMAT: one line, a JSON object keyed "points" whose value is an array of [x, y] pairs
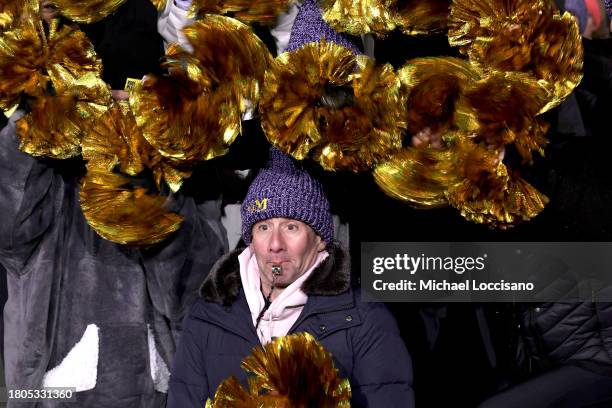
{"points": [[277, 242]]}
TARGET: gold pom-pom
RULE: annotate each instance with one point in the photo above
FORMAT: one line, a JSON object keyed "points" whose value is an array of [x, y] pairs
{"points": [[359, 136], [344, 110], [433, 86], [294, 84], [29, 58], [21, 49], [247, 11], [122, 214], [292, 371], [50, 129], [194, 112], [419, 176], [232, 394], [517, 202], [521, 36], [115, 139], [229, 52], [488, 194], [132, 216], [359, 17], [87, 11], [183, 127], [558, 57], [497, 33], [414, 17], [59, 74], [505, 106], [56, 124], [466, 175]]}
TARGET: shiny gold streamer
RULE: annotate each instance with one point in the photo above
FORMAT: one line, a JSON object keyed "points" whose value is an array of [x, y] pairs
{"points": [[194, 112], [495, 108], [353, 137], [359, 17], [416, 17], [131, 216], [247, 11], [87, 11], [292, 371]]}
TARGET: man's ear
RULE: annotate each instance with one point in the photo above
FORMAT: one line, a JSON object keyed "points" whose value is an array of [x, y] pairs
{"points": [[321, 245]]}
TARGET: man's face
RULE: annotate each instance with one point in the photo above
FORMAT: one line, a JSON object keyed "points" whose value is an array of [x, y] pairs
{"points": [[289, 243]]}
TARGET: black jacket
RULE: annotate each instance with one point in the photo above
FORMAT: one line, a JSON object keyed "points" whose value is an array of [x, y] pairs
{"points": [[363, 337]]}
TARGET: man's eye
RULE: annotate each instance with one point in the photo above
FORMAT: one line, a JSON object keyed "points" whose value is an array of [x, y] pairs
{"points": [[292, 227], [262, 227]]}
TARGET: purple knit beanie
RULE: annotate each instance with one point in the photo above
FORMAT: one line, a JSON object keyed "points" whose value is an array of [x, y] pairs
{"points": [[309, 27], [282, 189]]}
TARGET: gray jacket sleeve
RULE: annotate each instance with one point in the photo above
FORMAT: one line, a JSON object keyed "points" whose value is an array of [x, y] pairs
{"points": [[30, 196]]}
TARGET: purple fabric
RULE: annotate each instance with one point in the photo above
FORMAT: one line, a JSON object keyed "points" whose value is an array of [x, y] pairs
{"points": [[608, 4], [579, 9], [282, 189], [309, 27]]}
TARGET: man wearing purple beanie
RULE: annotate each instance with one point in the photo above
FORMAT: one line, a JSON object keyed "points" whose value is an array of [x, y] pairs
{"points": [[291, 278]]}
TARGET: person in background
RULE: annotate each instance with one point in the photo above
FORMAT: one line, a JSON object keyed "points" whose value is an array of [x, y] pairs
{"points": [[82, 311]]}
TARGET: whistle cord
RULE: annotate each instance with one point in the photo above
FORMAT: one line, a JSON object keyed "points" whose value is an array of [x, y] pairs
{"points": [[267, 303]]}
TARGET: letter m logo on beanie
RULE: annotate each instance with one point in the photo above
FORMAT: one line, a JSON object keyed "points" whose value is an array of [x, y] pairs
{"points": [[258, 205]]}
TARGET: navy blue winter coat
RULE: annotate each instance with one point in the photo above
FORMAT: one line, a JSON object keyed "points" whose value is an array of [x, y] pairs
{"points": [[218, 334]]}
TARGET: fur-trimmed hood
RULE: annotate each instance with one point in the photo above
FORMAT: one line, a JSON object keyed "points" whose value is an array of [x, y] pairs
{"points": [[331, 277]]}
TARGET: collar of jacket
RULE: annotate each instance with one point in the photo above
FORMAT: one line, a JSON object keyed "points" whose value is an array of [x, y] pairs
{"points": [[332, 277]]}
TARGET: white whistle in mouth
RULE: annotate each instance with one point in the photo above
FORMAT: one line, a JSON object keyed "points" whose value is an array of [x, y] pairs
{"points": [[276, 270]]}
